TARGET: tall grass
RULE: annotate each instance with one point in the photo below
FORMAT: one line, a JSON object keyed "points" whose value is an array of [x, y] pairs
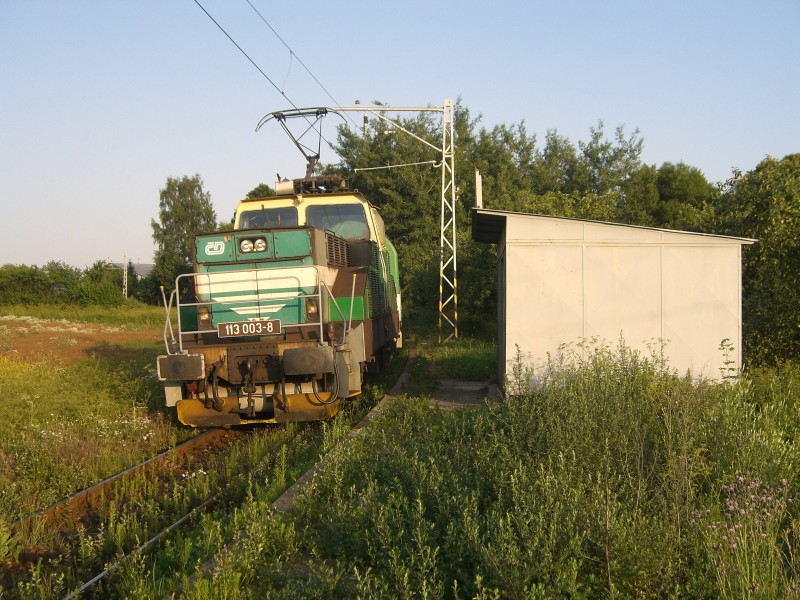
{"points": [[245, 479], [613, 477], [71, 425], [464, 359]]}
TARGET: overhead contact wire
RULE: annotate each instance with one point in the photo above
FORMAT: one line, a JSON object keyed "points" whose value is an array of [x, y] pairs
{"points": [[247, 56], [294, 54], [260, 70]]}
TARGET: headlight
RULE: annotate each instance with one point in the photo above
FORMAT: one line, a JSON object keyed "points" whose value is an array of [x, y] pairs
{"points": [[312, 310], [252, 245], [203, 316]]}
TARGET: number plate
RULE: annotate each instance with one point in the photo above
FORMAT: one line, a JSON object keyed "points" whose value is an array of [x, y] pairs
{"points": [[249, 328]]}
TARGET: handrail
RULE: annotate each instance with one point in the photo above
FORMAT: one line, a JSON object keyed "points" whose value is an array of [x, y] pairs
{"points": [[352, 302], [333, 299], [168, 323]]}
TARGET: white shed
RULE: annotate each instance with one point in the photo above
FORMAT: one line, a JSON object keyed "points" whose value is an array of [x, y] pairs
{"points": [[562, 280]]}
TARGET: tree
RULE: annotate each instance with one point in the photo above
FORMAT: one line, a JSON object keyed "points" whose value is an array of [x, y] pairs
{"points": [[262, 190], [686, 198], [184, 211], [600, 178], [408, 198], [765, 204], [604, 166], [101, 285], [675, 196], [640, 200]]}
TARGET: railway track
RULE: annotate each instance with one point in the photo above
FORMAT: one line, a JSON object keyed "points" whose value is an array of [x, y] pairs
{"points": [[81, 514], [79, 506]]}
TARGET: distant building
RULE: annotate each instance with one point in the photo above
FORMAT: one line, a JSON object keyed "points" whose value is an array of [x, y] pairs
{"points": [[139, 269], [563, 280]]}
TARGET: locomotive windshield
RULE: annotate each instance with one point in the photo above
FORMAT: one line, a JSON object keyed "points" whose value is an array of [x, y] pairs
{"points": [[268, 217], [348, 221]]}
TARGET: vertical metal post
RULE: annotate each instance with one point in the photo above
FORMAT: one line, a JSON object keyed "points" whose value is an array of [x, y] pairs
{"points": [[448, 281], [124, 275]]}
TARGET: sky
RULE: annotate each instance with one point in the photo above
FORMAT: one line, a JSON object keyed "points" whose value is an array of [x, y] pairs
{"points": [[102, 100]]}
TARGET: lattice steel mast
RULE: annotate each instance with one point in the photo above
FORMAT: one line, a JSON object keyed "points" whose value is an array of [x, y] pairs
{"points": [[448, 282]]}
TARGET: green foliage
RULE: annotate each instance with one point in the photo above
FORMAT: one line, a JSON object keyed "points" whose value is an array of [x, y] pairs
{"points": [[101, 285], [673, 197], [601, 178], [640, 200], [70, 439], [22, 284], [262, 190], [744, 541], [686, 199], [60, 442], [184, 210], [59, 284], [400, 193], [765, 204], [465, 359]]}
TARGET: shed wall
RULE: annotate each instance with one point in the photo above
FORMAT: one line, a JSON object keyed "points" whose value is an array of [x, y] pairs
{"points": [[577, 280]]}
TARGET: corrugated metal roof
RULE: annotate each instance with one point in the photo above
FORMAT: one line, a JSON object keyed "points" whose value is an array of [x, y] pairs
{"points": [[488, 226]]}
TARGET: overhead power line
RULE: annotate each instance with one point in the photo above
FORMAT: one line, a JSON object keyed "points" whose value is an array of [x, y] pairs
{"points": [[247, 56], [426, 162], [260, 70], [293, 54]]}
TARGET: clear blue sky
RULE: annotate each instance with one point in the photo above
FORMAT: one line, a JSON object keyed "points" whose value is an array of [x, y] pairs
{"points": [[101, 101]]}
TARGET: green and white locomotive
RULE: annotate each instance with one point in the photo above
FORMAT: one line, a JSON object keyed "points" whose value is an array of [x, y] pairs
{"points": [[282, 315]]}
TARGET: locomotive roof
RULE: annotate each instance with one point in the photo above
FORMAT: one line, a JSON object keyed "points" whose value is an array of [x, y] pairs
{"points": [[323, 186], [314, 191]]}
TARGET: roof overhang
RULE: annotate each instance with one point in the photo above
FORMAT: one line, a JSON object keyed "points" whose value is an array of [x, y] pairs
{"points": [[488, 226]]}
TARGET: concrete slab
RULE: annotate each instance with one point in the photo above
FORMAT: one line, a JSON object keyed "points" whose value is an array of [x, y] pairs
{"points": [[452, 394]]}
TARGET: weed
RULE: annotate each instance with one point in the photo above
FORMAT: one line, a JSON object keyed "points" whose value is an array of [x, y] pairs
{"points": [[744, 543], [9, 545]]}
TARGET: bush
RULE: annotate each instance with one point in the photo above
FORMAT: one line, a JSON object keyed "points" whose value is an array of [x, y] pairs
{"points": [[60, 284]]}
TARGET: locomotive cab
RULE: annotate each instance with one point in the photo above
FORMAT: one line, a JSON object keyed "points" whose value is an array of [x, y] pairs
{"points": [[281, 315]]}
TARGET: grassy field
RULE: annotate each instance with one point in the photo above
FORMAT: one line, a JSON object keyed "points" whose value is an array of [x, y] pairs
{"points": [[70, 422], [81, 402], [131, 315]]}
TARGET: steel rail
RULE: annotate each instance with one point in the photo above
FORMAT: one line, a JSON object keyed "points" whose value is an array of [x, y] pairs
{"points": [[85, 497], [108, 570]]}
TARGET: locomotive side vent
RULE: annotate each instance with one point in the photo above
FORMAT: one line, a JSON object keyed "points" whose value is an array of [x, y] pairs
{"points": [[338, 251], [376, 302]]}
